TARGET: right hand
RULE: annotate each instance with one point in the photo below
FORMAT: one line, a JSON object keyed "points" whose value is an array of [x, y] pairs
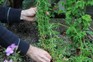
{"points": [[28, 14], [39, 55]]}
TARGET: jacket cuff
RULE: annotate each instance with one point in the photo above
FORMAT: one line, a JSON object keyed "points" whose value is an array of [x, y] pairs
{"points": [[14, 15], [23, 47], [7, 38]]}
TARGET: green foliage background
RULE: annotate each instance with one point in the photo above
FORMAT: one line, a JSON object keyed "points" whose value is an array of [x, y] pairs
{"points": [[78, 22], [77, 47]]}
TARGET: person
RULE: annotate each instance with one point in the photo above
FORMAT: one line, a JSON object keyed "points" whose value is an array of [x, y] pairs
{"points": [[12, 15]]}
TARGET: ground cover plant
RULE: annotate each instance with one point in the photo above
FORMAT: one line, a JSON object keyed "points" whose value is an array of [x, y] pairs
{"points": [[75, 44], [78, 23]]}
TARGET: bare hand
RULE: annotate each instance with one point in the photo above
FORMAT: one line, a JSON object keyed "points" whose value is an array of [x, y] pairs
{"points": [[38, 54], [28, 14]]}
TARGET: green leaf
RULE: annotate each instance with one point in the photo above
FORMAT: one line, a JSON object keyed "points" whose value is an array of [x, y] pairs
{"points": [[90, 32], [86, 17]]}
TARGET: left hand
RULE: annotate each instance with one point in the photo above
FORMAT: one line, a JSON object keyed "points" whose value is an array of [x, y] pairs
{"points": [[28, 14], [38, 54]]}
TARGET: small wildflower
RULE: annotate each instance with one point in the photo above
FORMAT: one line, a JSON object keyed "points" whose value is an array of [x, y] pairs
{"points": [[10, 49], [5, 60], [8, 61], [13, 46]]}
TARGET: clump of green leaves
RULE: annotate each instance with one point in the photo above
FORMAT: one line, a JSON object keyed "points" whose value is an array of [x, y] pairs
{"points": [[1, 2], [48, 36], [78, 22], [79, 49]]}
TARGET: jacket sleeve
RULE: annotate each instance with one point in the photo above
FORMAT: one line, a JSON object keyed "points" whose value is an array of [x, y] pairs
{"points": [[7, 38], [9, 15]]}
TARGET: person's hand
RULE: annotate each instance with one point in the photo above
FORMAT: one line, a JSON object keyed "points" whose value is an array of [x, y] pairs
{"points": [[38, 54], [28, 14]]}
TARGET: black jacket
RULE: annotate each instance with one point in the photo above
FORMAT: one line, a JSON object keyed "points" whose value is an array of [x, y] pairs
{"points": [[10, 15]]}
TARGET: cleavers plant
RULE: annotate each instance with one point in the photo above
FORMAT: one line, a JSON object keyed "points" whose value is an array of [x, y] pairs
{"points": [[48, 36], [79, 22]]}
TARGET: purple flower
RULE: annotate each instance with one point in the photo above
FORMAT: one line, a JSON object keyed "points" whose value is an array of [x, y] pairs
{"points": [[5, 60], [10, 49], [13, 46], [8, 61]]}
